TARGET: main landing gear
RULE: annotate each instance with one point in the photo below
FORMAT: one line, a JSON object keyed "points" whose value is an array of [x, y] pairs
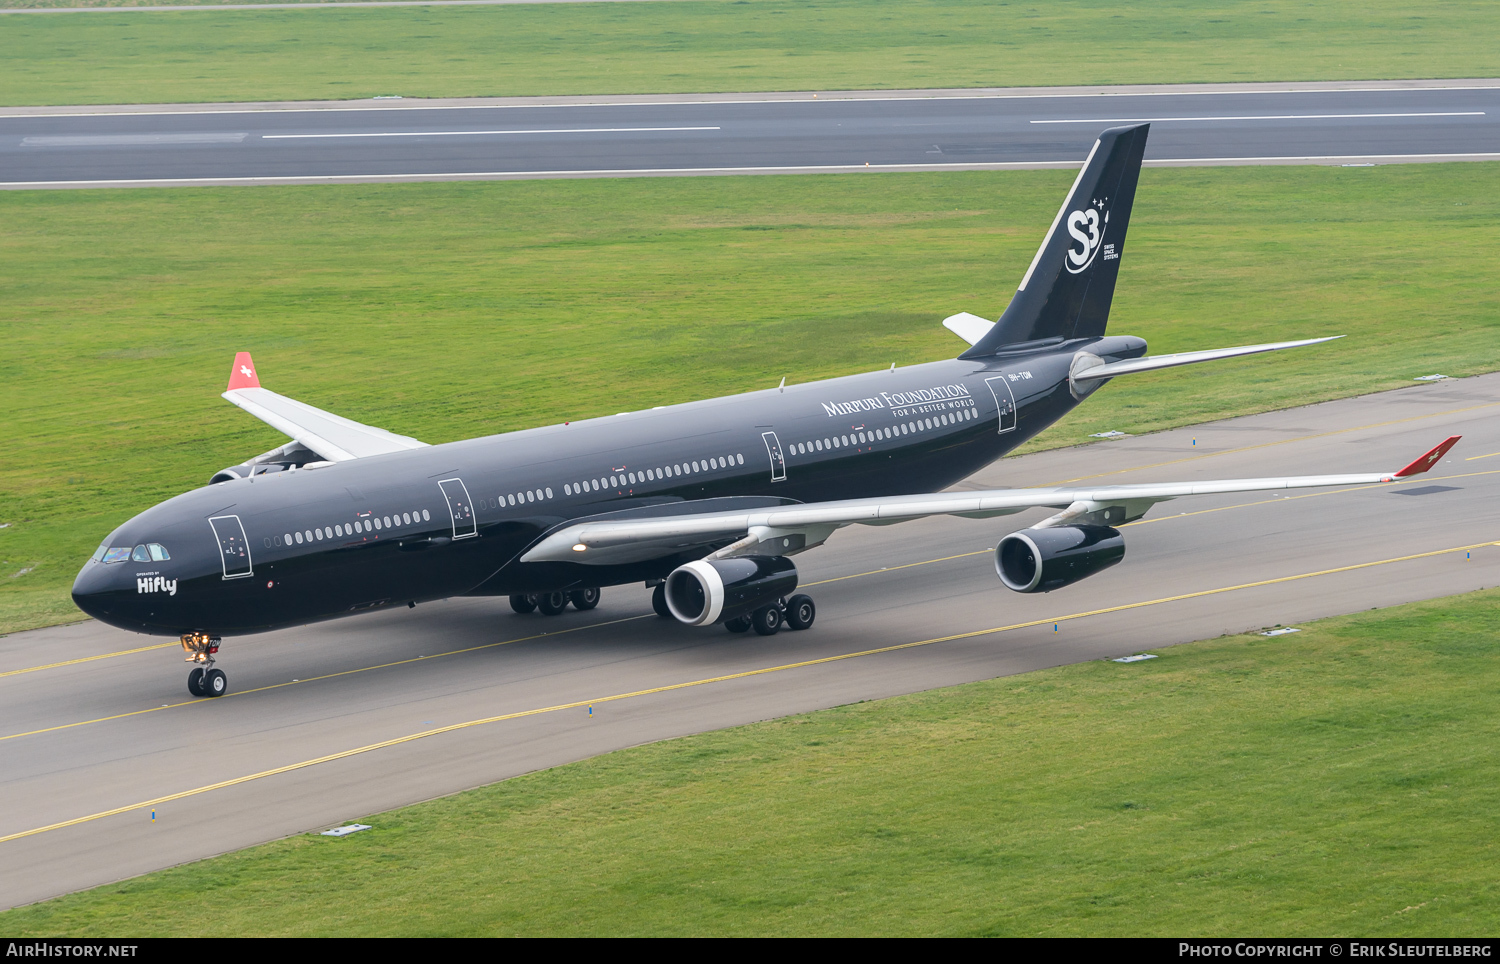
{"points": [[204, 680], [553, 603], [798, 612]]}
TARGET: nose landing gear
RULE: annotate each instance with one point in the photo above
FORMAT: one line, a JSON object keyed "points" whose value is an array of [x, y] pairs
{"points": [[204, 680]]}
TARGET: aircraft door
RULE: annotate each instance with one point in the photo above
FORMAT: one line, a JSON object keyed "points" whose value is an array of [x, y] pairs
{"points": [[234, 548], [1005, 401], [778, 461], [460, 508]]}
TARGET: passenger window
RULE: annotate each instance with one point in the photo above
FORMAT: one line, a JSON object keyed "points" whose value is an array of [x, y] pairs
{"points": [[117, 554], [158, 553], [139, 554]]}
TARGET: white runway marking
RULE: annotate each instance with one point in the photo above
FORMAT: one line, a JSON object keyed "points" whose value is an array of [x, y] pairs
{"points": [[1256, 117], [128, 140], [559, 130], [685, 100], [1070, 164]]}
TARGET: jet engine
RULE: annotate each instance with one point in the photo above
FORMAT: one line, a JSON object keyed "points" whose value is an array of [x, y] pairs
{"points": [[1041, 560], [293, 455], [712, 590]]}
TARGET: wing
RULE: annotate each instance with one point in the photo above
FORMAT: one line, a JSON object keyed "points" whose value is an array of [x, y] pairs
{"points": [[782, 530], [332, 437]]}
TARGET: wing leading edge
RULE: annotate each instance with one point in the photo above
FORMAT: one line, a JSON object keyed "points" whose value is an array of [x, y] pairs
{"points": [[333, 437], [769, 530]]}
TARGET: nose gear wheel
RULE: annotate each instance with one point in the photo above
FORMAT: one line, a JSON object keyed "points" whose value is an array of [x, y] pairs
{"points": [[204, 680]]}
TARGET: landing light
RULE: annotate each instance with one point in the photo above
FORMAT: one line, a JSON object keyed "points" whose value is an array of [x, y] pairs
{"points": [[580, 547]]}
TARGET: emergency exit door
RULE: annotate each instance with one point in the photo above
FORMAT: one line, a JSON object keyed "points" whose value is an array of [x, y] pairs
{"points": [[1005, 401], [778, 461], [460, 507]]}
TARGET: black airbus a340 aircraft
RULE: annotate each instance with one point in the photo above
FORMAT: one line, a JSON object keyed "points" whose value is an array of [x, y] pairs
{"points": [[706, 501]]}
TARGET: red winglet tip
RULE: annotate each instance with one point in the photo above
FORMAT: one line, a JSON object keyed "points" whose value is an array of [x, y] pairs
{"points": [[243, 374], [1430, 459]]}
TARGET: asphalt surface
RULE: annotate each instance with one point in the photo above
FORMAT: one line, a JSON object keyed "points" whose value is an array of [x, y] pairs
{"points": [[326, 724], [744, 133]]}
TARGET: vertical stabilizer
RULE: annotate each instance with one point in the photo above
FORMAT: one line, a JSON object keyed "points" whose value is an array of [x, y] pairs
{"points": [[1067, 290]]}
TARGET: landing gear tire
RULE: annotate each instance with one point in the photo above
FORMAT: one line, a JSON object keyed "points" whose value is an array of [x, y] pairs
{"points": [[203, 679], [659, 601], [552, 603], [584, 599], [767, 620], [800, 612], [738, 624], [523, 603]]}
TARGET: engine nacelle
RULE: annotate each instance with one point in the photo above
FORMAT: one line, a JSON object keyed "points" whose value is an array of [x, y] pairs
{"points": [[1041, 560], [712, 590], [292, 455]]}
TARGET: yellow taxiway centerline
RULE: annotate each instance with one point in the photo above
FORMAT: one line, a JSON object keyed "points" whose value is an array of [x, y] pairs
{"points": [[670, 687], [87, 659], [314, 679]]}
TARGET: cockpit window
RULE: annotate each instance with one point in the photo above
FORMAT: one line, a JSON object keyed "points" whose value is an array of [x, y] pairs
{"points": [[139, 554], [117, 554], [99, 552], [158, 552]]}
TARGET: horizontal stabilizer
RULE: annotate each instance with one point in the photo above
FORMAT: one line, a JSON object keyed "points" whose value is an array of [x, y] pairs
{"points": [[971, 328], [331, 436], [1152, 362]]}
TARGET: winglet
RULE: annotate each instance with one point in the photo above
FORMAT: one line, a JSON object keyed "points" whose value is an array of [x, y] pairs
{"points": [[243, 374], [1429, 460]]}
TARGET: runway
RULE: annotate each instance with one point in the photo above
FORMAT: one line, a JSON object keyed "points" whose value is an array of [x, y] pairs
{"points": [[108, 769], [367, 141]]}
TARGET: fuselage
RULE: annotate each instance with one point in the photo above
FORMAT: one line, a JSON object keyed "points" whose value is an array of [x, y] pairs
{"points": [[284, 549]]}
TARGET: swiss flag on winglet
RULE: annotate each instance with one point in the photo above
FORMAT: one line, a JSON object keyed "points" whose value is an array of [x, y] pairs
{"points": [[243, 375], [1429, 460]]}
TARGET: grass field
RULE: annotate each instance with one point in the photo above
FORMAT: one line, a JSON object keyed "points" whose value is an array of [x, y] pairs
{"points": [[446, 311], [1343, 781], [94, 58]]}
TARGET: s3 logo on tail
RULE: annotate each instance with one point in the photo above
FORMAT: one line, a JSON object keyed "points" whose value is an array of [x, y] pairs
{"points": [[1087, 229]]}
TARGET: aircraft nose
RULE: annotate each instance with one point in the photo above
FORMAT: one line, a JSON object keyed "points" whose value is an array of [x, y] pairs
{"points": [[97, 590]]}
